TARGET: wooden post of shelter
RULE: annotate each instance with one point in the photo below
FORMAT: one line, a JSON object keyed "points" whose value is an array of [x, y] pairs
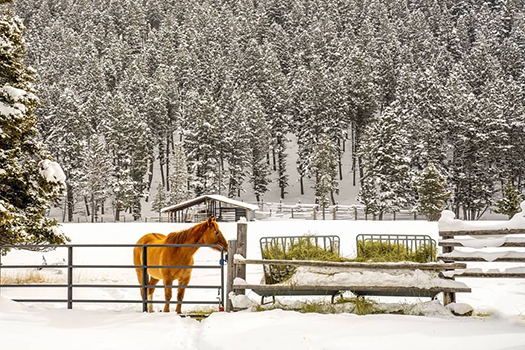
{"points": [[232, 248], [448, 297], [240, 270]]}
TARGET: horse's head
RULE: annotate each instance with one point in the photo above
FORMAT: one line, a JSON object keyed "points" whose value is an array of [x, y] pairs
{"points": [[213, 235]]}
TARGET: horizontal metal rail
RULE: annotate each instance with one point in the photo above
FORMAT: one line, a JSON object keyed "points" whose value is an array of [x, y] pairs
{"points": [[123, 286], [111, 266], [144, 286]]}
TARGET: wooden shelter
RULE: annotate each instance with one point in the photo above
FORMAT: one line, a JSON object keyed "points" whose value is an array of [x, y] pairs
{"points": [[203, 207]]}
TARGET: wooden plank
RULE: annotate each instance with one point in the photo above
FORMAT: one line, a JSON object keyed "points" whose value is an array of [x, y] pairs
{"points": [[491, 274], [357, 265], [479, 259], [459, 244], [482, 232], [268, 289]]}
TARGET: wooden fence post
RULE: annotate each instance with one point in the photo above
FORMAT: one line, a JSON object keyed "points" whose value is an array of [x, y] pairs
{"points": [[240, 270], [232, 249]]}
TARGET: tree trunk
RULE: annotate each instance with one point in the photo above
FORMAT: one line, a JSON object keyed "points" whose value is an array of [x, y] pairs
{"points": [[354, 156], [150, 178], [87, 206], [340, 164], [302, 184], [93, 208], [70, 203], [274, 161], [162, 178], [168, 140]]}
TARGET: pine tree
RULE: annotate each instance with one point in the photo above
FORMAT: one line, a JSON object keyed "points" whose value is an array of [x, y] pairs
{"points": [[27, 187], [509, 204], [179, 176], [324, 168], [259, 138], [384, 156], [160, 201], [431, 189], [97, 167]]}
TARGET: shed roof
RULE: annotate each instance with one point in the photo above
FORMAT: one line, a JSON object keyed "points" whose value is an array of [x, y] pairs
{"points": [[216, 197]]}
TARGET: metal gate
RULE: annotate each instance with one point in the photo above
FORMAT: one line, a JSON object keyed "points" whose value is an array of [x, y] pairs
{"points": [[70, 267]]}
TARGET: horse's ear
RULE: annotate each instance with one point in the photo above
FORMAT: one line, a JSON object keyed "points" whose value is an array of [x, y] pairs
{"points": [[210, 220]]}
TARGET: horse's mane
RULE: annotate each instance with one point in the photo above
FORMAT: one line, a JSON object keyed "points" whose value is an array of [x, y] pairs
{"points": [[183, 236]]}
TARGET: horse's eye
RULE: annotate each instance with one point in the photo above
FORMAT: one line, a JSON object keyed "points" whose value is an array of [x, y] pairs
{"points": [[217, 232]]}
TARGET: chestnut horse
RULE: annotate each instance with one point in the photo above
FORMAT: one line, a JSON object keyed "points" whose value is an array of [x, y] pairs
{"points": [[206, 232]]}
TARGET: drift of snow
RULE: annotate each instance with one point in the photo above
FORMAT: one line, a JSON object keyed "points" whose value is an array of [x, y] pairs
{"points": [[52, 171]]}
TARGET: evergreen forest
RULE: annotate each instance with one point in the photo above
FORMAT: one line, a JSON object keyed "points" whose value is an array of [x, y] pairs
{"points": [[215, 92]]}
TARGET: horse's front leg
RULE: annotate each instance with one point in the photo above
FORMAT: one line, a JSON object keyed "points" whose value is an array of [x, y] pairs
{"points": [[183, 281]]}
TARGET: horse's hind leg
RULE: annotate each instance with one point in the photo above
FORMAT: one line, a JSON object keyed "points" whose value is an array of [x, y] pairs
{"points": [[152, 282], [183, 281], [168, 292]]}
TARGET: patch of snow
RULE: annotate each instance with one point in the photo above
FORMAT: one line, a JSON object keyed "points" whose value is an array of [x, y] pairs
{"points": [[238, 257], [430, 308], [52, 171], [8, 110], [460, 309], [239, 281], [14, 93], [240, 301], [517, 269]]}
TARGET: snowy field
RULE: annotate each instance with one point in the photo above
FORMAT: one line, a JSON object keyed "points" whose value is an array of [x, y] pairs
{"points": [[119, 326]]}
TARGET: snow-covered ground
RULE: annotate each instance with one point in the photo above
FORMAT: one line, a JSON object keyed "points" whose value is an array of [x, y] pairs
{"points": [[116, 326]]}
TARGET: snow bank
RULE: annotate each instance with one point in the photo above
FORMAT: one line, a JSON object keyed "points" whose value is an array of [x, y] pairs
{"points": [[315, 276], [7, 305]]}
